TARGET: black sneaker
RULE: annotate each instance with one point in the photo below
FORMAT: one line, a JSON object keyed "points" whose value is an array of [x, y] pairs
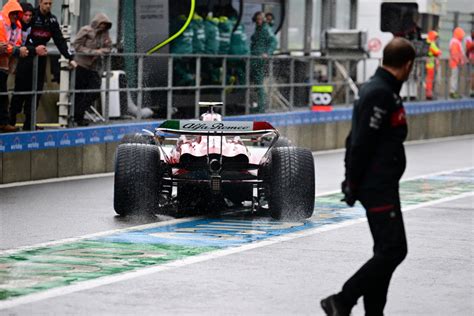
{"points": [[333, 307]]}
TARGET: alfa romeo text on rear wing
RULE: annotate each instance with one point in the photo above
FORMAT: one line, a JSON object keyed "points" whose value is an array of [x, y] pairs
{"points": [[218, 128]]}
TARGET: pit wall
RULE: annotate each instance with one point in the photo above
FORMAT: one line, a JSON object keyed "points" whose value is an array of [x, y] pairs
{"points": [[49, 154]]}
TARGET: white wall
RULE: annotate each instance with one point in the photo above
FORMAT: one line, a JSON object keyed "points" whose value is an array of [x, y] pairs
{"points": [[368, 18], [465, 6]]}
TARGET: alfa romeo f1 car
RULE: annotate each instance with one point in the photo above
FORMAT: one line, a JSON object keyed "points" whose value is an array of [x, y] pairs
{"points": [[212, 163]]}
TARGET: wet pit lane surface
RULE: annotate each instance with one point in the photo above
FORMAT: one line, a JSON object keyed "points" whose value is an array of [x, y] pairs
{"points": [[42, 259], [36, 269]]}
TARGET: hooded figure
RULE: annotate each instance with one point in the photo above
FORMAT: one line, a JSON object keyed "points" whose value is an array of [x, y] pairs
{"points": [[10, 42], [92, 42], [10, 32], [456, 59], [455, 48]]}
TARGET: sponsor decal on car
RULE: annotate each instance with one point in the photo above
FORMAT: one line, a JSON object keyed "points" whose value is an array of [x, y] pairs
{"points": [[220, 126], [215, 126]]}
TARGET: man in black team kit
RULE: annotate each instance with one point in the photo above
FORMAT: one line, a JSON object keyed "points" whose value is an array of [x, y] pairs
{"points": [[375, 162], [44, 26]]}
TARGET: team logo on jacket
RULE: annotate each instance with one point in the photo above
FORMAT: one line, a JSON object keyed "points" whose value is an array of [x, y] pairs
{"points": [[398, 118], [377, 117], [41, 33]]}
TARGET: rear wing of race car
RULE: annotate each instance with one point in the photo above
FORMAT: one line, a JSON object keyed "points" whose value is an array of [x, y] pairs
{"points": [[216, 128], [255, 130]]}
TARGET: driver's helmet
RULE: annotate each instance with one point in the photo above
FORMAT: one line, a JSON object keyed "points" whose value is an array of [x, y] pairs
{"points": [[210, 117]]}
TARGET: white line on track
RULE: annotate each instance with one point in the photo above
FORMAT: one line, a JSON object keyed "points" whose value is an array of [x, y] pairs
{"points": [[86, 285], [54, 180], [439, 173]]}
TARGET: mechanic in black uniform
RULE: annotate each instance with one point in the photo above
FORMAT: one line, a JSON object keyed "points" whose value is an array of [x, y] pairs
{"points": [[375, 162], [44, 26]]}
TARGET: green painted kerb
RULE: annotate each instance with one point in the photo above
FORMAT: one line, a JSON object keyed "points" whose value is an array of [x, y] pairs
{"points": [[41, 269], [412, 192]]}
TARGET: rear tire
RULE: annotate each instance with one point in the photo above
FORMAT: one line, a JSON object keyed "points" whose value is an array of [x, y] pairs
{"points": [[137, 179], [291, 184]]}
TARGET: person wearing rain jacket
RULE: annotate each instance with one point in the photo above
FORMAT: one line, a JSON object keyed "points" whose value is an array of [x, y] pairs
{"points": [[91, 43], [183, 44], [263, 44], [10, 45], [44, 27], [26, 21], [431, 63], [456, 59]]}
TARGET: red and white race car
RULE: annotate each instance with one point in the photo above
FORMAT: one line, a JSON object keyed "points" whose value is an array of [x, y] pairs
{"points": [[213, 163]]}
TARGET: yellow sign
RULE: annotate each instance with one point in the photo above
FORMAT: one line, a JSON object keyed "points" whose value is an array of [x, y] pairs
{"points": [[322, 89]]}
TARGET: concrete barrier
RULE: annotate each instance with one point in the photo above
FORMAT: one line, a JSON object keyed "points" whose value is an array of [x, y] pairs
{"points": [[51, 154]]}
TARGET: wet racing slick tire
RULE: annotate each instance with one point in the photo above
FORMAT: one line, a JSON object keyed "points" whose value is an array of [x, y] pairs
{"points": [[291, 183], [137, 139], [137, 179]]}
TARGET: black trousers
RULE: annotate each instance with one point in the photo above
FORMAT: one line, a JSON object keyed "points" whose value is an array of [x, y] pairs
{"points": [[390, 248], [24, 83], [85, 80], [3, 98]]}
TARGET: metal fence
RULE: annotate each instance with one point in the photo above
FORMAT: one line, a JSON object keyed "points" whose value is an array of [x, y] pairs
{"points": [[284, 81]]}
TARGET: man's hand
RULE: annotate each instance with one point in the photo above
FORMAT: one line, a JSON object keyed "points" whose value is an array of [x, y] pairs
{"points": [[41, 50], [73, 63], [3, 47], [103, 51], [349, 193], [23, 51]]}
